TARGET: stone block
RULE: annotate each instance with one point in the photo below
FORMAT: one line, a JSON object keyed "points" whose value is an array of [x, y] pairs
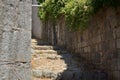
{"points": [[93, 40], [85, 35], [111, 17], [113, 21], [86, 49], [5, 45], [10, 15], [14, 71], [16, 46], [118, 62], [97, 58], [112, 44], [118, 32], [97, 47], [24, 46], [103, 37], [98, 39], [118, 53], [4, 71], [104, 46], [118, 43], [84, 43], [114, 65], [92, 48], [21, 71], [114, 34], [111, 55], [108, 35], [25, 13], [116, 75]]}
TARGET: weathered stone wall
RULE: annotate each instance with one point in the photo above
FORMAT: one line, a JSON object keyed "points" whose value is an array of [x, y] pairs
{"points": [[49, 32], [36, 23], [99, 44], [15, 39]]}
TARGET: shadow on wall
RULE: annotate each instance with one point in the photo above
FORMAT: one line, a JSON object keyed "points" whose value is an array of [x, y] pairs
{"points": [[80, 69]]}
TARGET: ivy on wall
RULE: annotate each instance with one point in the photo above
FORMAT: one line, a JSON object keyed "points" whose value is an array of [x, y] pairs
{"points": [[77, 12]]}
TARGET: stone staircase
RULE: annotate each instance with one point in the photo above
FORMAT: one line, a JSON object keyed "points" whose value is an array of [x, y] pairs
{"points": [[51, 63]]}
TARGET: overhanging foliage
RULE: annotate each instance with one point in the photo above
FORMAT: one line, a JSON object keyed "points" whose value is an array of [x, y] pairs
{"points": [[77, 12]]}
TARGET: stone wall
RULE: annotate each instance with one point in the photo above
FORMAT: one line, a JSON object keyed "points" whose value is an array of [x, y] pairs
{"points": [[15, 39], [36, 23], [99, 44]]}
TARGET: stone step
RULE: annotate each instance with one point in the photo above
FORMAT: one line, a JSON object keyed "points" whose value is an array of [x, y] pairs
{"points": [[37, 47], [66, 75], [50, 51], [45, 51], [39, 42], [69, 75], [44, 74], [47, 56], [33, 41]]}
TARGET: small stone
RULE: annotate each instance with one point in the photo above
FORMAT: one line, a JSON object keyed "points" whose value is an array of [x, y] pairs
{"points": [[37, 73]]}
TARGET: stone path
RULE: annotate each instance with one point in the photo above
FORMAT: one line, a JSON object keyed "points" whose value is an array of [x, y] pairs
{"points": [[51, 63]]}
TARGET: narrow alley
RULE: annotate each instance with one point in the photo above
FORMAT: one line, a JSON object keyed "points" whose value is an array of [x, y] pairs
{"points": [[52, 63]]}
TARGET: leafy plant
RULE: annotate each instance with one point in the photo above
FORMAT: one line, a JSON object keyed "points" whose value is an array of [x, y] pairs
{"points": [[77, 12], [51, 9]]}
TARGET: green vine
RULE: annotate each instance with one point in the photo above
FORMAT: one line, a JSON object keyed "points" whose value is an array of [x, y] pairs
{"points": [[77, 12], [51, 9]]}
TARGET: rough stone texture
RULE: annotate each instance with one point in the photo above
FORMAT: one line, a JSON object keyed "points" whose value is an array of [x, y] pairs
{"points": [[15, 39], [99, 44], [14, 71]]}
